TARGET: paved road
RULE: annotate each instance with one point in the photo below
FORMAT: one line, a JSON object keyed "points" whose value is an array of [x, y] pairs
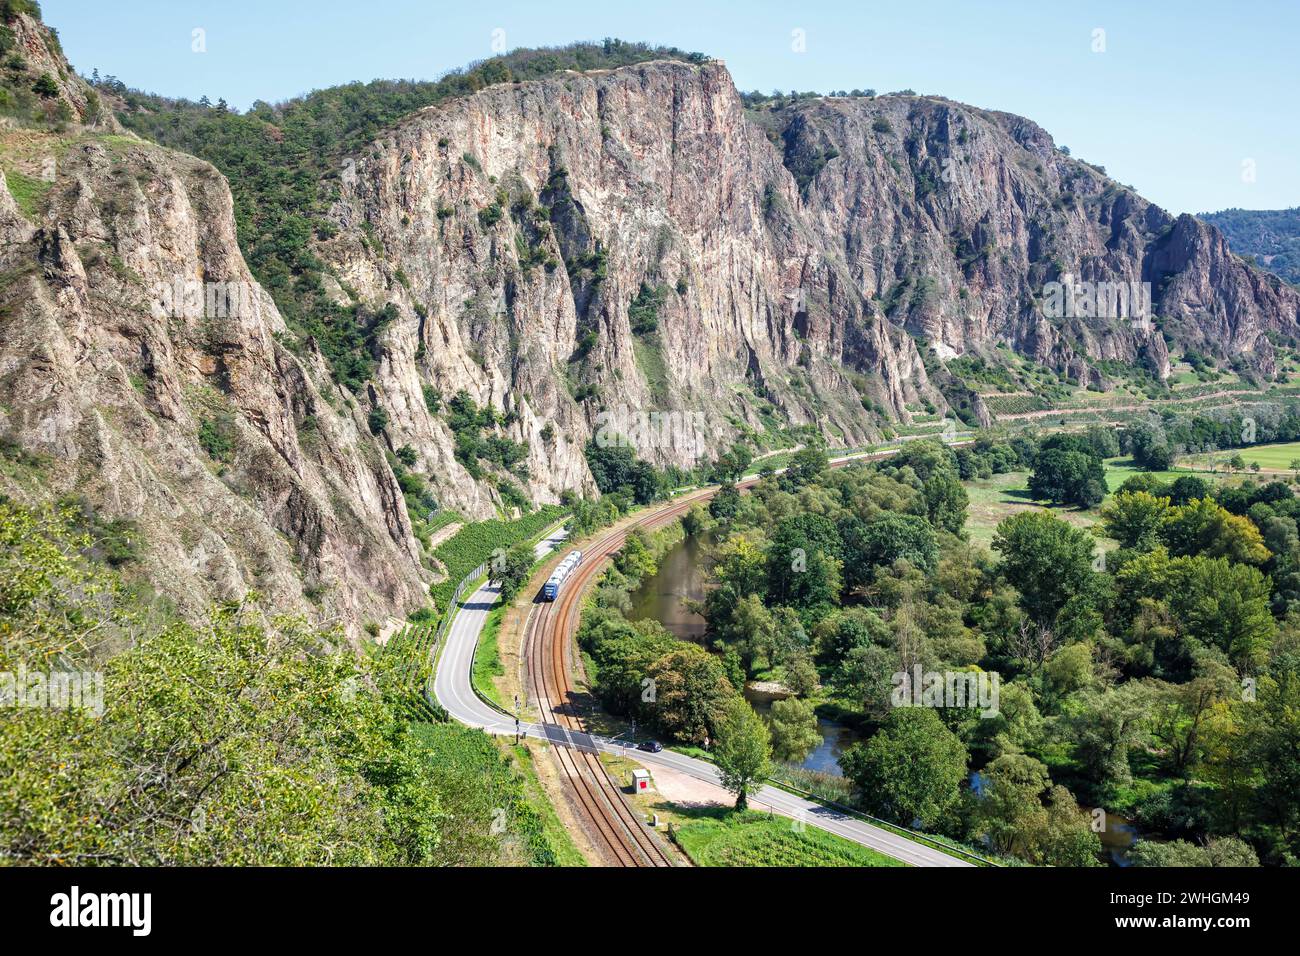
{"points": [[454, 692]]}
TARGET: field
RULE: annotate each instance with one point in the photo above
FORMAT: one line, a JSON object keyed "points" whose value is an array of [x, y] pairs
{"points": [[407, 653], [500, 788], [1118, 470], [1268, 457], [994, 499], [474, 543], [723, 838], [999, 497]]}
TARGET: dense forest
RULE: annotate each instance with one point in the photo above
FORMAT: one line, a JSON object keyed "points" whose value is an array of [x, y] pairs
{"points": [[1151, 669]]}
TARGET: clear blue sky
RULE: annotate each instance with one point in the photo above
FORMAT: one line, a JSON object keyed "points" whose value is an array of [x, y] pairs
{"points": [[1182, 96]]}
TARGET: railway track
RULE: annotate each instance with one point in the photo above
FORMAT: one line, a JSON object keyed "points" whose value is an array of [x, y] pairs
{"points": [[549, 628], [615, 824], [548, 637]]}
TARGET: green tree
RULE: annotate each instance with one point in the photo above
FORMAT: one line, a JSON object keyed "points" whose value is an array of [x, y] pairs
{"points": [[1205, 527], [1107, 726], [1188, 488], [730, 466], [1070, 840], [46, 86], [1256, 753], [690, 693], [890, 538], [512, 571], [803, 562], [865, 675], [616, 469], [911, 770], [946, 502], [800, 674], [1224, 605], [1009, 812], [1047, 560], [1068, 477], [724, 505], [1021, 812], [1018, 726], [794, 729], [240, 739], [1135, 519], [806, 466], [851, 628], [1222, 851], [1181, 711], [636, 558], [743, 751], [927, 458]]}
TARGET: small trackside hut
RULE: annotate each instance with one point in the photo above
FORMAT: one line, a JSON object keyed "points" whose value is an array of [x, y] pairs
{"points": [[551, 589]]}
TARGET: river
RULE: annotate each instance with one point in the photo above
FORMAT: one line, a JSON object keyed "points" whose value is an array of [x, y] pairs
{"points": [[663, 596], [1119, 836]]}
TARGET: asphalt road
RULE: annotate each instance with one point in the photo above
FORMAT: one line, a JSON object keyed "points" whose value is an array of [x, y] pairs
{"points": [[454, 692]]}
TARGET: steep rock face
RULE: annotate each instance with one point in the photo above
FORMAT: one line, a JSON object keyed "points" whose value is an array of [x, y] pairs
{"points": [[42, 55], [525, 221], [1224, 307], [572, 252], [241, 470], [520, 228], [956, 220]]}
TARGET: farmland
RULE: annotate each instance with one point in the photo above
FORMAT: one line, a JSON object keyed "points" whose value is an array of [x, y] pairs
{"points": [[724, 838], [1272, 458]]}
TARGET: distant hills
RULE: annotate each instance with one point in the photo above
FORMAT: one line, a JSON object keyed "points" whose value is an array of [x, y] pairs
{"points": [[1269, 237]]}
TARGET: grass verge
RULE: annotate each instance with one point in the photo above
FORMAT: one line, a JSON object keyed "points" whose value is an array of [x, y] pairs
{"points": [[722, 837]]}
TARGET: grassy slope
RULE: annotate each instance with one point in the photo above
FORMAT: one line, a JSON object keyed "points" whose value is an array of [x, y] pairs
{"points": [[1270, 457], [723, 838], [487, 658], [557, 835], [997, 498], [994, 499], [506, 778]]}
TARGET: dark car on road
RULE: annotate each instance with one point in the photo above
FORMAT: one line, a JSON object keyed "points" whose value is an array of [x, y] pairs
{"points": [[653, 746]]}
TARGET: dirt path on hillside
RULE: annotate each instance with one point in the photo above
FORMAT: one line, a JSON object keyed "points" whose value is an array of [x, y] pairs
{"points": [[1050, 412]]}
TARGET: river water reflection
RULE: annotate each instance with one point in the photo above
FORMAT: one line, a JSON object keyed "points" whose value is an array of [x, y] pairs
{"points": [[663, 596]]}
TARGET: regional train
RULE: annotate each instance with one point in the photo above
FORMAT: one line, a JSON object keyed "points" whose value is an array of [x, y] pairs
{"points": [[551, 589]]}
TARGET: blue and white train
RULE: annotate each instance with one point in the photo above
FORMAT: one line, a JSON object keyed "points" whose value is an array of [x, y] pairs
{"points": [[551, 589]]}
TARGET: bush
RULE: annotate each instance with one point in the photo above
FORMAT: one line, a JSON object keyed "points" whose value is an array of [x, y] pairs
{"points": [[217, 436], [46, 87]]}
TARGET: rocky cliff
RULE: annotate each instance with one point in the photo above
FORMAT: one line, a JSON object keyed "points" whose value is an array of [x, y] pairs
{"points": [[564, 250], [241, 465], [786, 253], [625, 240]]}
